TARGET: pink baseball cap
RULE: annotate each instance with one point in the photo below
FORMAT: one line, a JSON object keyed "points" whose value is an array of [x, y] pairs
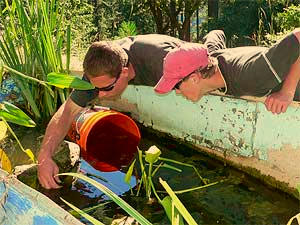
{"points": [[179, 63]]}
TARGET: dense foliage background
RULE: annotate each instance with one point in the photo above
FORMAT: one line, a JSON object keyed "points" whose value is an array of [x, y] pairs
{"points": [[245, 22]]}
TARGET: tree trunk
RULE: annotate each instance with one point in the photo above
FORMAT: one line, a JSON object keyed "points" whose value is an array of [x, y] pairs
{"points": [[213, 9]]}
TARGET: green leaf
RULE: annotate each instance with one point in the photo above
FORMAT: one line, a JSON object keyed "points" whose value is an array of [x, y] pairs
{"points": [[30, 154], [129, 173], [180, 207], [152, 154], [62, 80], [167, 204], [15, 115], [83, 214], [125, 206]]}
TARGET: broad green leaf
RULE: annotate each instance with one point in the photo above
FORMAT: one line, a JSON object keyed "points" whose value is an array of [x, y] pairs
{"points": [[83, 214], [152, 154], [180, 207], [167, 204], [30, 154], [128, 175], [125, 206], [5, 162], [3, 130], [62, 80], [13, 114]]}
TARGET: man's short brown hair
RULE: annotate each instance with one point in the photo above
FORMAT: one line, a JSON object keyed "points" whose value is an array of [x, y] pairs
{"points": [[104, 57], [210, 69]]}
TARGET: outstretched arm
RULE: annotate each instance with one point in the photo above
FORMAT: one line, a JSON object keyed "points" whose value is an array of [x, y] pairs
{"points": [[279, 101], [55, 133]]}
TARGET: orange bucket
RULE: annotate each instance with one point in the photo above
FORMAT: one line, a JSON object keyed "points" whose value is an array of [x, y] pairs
{"points": [[108, 139]]}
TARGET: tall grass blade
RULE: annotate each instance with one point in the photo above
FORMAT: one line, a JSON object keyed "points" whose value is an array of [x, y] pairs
{"points": [[83, 214], [167, 204], [131, 211], [180, 207]]}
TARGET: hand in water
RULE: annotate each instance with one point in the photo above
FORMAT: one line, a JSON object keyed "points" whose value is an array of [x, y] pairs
{"points": [[47, 171]]}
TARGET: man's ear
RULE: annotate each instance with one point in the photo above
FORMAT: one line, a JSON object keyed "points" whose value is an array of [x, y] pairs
{"points": [[195, 77], [124, 72]]}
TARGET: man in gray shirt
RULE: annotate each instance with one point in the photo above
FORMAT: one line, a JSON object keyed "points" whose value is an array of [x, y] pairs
{"points": [[109, 66], [194, 70]]}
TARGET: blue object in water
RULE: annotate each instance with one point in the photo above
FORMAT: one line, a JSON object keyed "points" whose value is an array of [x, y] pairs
{"points": [[20, 204]]}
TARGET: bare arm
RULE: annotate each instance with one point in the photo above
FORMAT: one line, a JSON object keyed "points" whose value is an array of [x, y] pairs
{"points": [[279, 101], [56, 131]]}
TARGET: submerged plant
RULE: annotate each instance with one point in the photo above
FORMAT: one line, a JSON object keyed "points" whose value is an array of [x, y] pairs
{"points": [[171, 204], [131, 211]]}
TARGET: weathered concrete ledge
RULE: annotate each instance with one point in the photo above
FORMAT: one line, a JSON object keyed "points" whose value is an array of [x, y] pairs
{"points": [[240, 131]]}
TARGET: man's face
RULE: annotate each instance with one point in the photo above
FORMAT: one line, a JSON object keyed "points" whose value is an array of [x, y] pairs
{"points": [[190, 89], [110, 87]]}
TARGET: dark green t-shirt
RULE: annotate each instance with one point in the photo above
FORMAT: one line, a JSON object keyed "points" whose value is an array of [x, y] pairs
{"points": [[146, 54], [252, 70]]}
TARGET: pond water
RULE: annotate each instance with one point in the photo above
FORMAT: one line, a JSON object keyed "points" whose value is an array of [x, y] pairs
{"points": [[239, 200]]}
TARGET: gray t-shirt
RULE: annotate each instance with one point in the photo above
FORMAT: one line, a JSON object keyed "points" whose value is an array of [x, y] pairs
{"points": [[246, 70], [146, 54]]}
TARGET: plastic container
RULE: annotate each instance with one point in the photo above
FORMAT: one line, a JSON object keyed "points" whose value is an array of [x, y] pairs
{"points": [[108, 139]]}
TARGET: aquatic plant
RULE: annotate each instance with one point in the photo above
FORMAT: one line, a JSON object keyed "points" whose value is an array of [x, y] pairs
{"points": [[34, 37], [11, 113], [125, 206], [171, 204]]}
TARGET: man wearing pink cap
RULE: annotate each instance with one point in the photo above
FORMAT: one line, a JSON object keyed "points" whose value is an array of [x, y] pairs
{"points": [[194, 70]]}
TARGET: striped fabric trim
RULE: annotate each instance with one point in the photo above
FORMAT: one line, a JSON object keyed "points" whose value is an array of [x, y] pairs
{"points": [[271, 68]]}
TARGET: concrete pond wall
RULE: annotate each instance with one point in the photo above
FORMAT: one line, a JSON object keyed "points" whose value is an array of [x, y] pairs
{"points": [[240, 131]]}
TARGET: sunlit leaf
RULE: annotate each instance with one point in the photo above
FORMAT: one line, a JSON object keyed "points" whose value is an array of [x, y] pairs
{"points": [[180, 207], [5, 162], [298, 188], [30, 154], [13, 114], [128, 175], [167, 204], [62, 80], [124, 205], [83, 214], [3, 130], [152, 154]]}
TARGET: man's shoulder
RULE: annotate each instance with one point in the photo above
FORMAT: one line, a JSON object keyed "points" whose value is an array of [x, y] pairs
{"points": [[154, 39]]}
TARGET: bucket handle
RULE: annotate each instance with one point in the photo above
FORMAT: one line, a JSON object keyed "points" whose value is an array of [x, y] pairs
{"points": [[77, 135]]}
